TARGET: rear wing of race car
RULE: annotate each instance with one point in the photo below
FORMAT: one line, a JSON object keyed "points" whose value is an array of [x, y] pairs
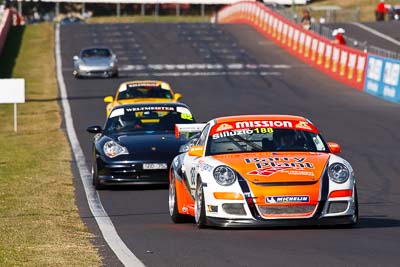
{"points": [[188, 128]]}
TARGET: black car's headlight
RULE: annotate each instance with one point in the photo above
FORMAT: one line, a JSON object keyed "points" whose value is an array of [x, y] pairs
{"points": [[112, 149], [224, 175], [338, 173]]}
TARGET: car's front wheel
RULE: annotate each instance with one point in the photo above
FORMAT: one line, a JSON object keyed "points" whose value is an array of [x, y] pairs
{"points": [[173, 204], [76, 75], [95, 178], [354, 206], [355, 216], [199, 205]]}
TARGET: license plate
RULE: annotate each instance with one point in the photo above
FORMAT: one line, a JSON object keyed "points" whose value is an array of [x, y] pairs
{"points": [[155, 166]]}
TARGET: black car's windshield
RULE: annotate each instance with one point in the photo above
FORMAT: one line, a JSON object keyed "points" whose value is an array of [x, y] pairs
{"points": [[71, 20], [147, 118], [264, 140], [95, 52], [144, 91]]}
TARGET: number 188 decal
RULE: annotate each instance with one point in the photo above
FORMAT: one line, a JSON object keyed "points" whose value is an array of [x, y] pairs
{"points": [[263, 130]]}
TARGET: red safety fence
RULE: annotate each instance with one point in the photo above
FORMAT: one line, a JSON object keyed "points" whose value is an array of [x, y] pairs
{"points": [[10, 17], [5, 24], [343, 63]]}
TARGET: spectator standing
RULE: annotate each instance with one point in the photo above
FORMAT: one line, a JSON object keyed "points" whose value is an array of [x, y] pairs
{"points": [[380, 11], [339, 36], [391, 13], [306, 19]]}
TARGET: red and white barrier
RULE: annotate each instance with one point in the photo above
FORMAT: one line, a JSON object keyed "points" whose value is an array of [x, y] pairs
{"points": [[5, 24], [343, 63]]}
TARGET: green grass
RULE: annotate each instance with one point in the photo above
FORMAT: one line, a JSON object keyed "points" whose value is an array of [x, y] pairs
{"points": [[39, 221], [143, 19]]}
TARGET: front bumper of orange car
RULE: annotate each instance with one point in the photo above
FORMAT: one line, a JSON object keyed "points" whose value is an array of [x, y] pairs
{"points": [[338, 208], [319, 218], [243, 223]]}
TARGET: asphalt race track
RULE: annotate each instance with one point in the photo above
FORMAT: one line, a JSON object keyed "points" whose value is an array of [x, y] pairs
{"points": [[227, 70]]}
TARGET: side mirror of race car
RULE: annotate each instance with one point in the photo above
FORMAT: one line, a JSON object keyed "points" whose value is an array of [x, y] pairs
{"points": [[75, 58], [185, 147], [177, 96], [94, 129], [108, 99], [334, 148], [196, 151]]}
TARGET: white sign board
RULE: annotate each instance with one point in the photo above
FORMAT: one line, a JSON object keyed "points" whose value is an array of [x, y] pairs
{"points": [[12, 91]]}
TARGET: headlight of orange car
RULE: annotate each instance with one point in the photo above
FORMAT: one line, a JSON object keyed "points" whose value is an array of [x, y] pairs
{"points": [[338, 173], [112, 149], [224, 175]]}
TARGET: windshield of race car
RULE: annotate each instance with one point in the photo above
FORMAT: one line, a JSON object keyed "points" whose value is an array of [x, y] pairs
{"points": [[144, 91], [95, 52], [227, 139], [147, 118]]}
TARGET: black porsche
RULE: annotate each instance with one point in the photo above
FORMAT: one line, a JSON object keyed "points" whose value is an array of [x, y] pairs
{"points": [[137, 144]]}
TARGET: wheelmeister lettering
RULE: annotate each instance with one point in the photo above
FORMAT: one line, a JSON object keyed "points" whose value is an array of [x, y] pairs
{"points": [[157, 108]]}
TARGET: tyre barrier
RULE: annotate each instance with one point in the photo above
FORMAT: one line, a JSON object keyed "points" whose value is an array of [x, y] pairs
{"points": [[345, 64]]}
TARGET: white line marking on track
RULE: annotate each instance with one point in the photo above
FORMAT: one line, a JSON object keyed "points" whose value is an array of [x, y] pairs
{"points": [[200, 66], [104, 222], [375, 32], [212, 73]]}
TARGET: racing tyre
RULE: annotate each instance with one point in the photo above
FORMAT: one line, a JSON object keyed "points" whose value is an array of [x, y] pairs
{"points": [[199, 206], [95, 178], [173, 204], [355, 218]]}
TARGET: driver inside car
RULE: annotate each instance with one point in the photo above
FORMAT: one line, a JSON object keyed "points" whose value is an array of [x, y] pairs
{"points": [[126, 121], [285, 139]]}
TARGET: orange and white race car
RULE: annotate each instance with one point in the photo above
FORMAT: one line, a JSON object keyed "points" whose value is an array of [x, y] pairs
{"points": [[146, 91], [261, 170]]}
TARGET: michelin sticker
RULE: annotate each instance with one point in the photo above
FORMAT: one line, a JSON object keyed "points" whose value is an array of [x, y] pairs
{"points": [[287, 199]]}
